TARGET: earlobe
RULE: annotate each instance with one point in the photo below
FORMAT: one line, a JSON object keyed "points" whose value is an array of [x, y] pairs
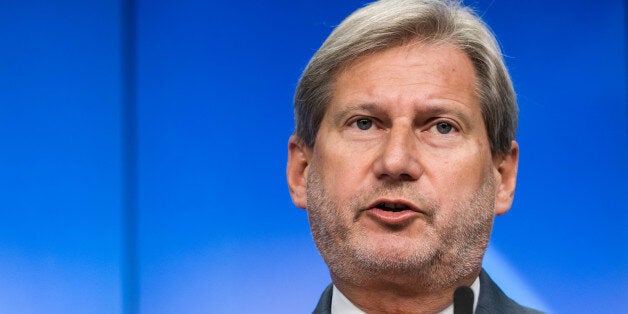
{"points": [[506, 165], [296, 171]]}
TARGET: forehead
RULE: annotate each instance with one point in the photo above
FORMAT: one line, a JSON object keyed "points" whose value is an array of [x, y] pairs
{"points": [[414, 72]]}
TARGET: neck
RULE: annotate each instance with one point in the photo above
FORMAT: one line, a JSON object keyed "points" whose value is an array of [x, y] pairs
{"points": [[400, 296]]}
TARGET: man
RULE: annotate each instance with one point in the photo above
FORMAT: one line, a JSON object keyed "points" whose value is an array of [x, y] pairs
{"points": [[403, 154]]}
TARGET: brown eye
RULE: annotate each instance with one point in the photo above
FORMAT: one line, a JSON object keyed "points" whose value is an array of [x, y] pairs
{"points": [[364, 124], [444, 127]]}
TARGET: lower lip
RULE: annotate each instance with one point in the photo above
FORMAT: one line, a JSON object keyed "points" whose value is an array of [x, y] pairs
{"points": [[392, 218]]}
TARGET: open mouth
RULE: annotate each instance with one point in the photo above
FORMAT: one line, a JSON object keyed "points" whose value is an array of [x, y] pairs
{"points": [[393, 213], [392, 207]]}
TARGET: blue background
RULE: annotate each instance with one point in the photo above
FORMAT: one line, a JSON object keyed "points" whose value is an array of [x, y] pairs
{"points": [[171, 198]]}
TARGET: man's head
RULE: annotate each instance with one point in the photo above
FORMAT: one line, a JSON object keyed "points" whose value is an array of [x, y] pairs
{"points": [[386, 24], [403, 151]]}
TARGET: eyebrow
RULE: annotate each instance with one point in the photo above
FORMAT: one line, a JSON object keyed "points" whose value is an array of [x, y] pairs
{"points": [[368, 107], [437, 110], [427, 110]]}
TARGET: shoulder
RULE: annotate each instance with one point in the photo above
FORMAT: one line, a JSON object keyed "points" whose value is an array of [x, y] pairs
{"points": [[324, 303], [493, 300]]}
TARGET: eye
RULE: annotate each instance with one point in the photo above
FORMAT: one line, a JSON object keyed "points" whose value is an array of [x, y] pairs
{"points": [[364, 124], [444, 127]]}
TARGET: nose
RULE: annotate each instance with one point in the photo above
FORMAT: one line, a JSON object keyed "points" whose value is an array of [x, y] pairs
{"points": [[398, 159]]}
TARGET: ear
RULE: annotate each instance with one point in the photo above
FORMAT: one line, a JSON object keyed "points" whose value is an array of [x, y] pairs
{"points": [[506, 167], [296, 171]]}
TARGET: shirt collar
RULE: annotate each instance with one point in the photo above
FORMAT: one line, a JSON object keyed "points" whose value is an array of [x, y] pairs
{"points": [[341, 305]]}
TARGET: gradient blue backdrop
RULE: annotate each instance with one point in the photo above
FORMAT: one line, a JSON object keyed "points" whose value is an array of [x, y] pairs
{"points": [[216, 230]]}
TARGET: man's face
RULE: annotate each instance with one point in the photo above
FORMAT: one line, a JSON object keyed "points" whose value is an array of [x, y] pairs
{"points": [[401, 181]]}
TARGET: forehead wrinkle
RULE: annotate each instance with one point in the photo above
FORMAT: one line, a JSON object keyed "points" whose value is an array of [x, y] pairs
{"points": [[440, 83]]}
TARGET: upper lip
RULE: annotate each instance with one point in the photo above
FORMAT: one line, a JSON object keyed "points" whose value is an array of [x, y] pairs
{"points": [[398, 203]]}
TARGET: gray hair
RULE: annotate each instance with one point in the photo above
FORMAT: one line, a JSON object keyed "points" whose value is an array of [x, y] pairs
{"points": [[388, 23]]}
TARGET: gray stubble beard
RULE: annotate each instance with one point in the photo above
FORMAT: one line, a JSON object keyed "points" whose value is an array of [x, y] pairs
{"points": [[463, 242]]}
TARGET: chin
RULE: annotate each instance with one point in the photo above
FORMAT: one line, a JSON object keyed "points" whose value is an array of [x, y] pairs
{"points": [[388, 259], [402, 247], [383, 255], [421, 264]]}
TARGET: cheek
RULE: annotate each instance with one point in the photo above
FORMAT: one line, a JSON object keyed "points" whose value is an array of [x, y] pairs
{"points": [[458, 175], [343, 171]]}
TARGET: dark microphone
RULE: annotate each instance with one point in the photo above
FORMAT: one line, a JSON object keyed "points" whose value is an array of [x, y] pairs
{"points": [[463, 300]]}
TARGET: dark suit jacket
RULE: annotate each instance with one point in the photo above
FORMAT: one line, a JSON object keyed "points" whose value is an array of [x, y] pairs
{"points": [[492, 300]]}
